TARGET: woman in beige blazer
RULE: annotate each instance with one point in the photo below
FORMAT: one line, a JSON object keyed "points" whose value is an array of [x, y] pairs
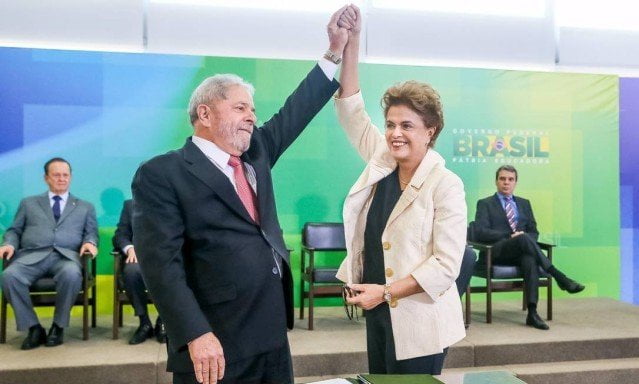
{"points": [[405, 225]]}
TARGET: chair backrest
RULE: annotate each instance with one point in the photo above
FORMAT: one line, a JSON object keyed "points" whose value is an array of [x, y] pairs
{"points": [[470, 232], [324, 236]]}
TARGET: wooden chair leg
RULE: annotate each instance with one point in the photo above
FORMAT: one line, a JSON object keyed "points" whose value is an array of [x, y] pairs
{"points": [[94, 304], [467, 317], [489, 286], [120, 314], [310, 306], [302, 266], [85, 314], [549, 298], [302, 297], [489, 301], [85, 303], [3, 319], [116, 315], [524, 299]]}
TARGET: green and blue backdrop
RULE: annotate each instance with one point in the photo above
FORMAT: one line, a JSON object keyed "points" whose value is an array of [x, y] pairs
{"points": [[108, 112]]}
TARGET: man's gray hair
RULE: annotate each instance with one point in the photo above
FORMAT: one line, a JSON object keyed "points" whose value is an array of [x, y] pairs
{"points": [[215, 88]]}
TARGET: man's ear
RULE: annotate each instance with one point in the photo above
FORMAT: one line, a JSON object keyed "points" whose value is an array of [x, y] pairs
{"points": [[204, 114]]}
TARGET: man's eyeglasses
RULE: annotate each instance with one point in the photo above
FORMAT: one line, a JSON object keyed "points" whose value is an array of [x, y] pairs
{"points": [[350, 309]]}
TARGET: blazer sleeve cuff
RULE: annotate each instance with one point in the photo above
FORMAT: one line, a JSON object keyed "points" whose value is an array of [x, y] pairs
{"points": [[432, 279]]}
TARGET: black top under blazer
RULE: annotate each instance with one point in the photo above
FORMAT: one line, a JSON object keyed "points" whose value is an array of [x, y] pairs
{"points": [[208, 266]]}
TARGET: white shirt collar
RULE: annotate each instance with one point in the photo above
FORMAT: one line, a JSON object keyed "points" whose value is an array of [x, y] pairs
{"points": [[212, 152], [64, 196]]}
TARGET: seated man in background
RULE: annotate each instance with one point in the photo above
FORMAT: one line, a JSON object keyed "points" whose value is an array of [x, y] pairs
{"points": [[49, 233], [133, 282], [509, 223]]}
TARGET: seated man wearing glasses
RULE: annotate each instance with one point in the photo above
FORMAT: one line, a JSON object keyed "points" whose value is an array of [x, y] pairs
{"points": [[508, 222], [49, 233]]}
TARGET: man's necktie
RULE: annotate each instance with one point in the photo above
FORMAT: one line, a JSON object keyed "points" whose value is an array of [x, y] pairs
{"points": [[510, 213], [244, 190], [56, 207]]}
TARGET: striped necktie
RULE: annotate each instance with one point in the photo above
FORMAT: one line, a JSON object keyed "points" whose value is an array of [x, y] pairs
{"points": [[510, 213]]}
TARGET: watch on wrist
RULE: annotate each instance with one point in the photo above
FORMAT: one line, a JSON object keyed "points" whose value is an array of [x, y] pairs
{"points": [[388, 297], [332, 57]]}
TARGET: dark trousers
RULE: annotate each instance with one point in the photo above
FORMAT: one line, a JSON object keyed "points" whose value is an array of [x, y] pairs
{"points": [[135, 287], [381, 348], [273, 367], [466, 271], [18, 277], [524, 252]]}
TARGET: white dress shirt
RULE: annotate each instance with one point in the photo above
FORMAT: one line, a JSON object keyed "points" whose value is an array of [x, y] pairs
{"points": [[220, 159], [63, 202]]}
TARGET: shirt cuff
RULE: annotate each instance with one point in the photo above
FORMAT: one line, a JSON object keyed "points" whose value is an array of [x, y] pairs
{"points": [[126, 249], [328, 67]]}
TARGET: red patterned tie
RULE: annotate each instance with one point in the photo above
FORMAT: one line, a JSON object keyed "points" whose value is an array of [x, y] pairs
{"points": [[510, 214], [244, 190]]}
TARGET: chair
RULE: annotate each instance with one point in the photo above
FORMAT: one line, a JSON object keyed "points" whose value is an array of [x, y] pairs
{"points": [[120, 297], [43, 295], [502, 278], [319, 237]]}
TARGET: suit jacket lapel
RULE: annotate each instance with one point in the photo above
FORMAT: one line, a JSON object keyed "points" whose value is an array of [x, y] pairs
{"points": [[68, 208], [200, 166], [522, 212], [411, 191], [43, 201]]}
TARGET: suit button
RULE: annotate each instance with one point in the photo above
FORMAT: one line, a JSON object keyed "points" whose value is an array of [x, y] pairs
{"points": [[393, 303], [385, 245], [274, 270], [389, 272]]}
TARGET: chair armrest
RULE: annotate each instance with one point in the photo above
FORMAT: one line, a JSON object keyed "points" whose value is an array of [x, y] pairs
{"points": [[88, 264], [545, 246], [480, 246]]}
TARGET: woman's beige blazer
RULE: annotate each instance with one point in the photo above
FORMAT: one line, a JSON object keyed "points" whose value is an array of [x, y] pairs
{"points": [[425, 237]]}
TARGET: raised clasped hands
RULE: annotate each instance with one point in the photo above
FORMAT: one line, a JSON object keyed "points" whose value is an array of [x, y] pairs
{"points": [[344, 23], [350, 19]]}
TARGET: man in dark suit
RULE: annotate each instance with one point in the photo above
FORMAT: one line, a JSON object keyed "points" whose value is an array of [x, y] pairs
{"points": [[133, 281], [207, 234], [508, 222], [47, 237]]}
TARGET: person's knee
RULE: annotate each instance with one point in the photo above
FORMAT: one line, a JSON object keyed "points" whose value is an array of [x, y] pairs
{"points": [[132, 272], [7, 279], [70, 273]]}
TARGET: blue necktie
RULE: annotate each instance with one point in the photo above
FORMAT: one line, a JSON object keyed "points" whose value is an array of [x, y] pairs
{"points": [[56, 207]]}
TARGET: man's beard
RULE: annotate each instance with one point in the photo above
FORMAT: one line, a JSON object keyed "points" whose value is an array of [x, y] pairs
{"points": [[232, 134]]}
